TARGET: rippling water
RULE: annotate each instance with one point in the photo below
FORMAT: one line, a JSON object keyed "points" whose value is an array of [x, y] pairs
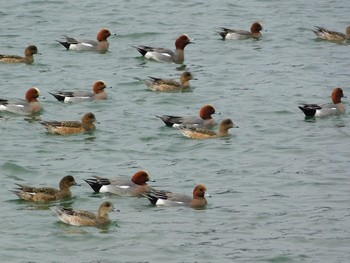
{"points": [[279, 184]]}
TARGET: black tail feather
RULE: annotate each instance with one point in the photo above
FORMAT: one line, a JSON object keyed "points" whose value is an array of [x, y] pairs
{"points": [[59, 97], [65, 44], [308, 111], [95, 185]]}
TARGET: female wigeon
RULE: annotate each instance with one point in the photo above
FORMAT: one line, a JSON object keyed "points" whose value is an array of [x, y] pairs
{"points": [[204, 120], [157, 84], [28, 106], [165, 198], [242, 34], [71, 127], [45, 194], [164, 54], [80, 96], [84, 218], [28, 56], [101, 45], [334, 108], [202, 133], [122, 187], [332, 36]]}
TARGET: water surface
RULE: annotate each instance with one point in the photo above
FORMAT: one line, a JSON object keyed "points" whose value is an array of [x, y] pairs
{"points": [[279, 184]]}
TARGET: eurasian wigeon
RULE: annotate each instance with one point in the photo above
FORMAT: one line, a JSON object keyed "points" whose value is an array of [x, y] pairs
{"points": [[123, 187], [164, 54], [71, 127], [101, 45], [28, 106], [80, 96], [28, 56], [84, 218], [334, 108], [165, 198], [332, 36], [254, 32], [45, 194], [157, 84], [202, 133], [204, 120]]}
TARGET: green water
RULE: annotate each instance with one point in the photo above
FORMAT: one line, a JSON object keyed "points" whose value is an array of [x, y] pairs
{"points": [[279, 184]]}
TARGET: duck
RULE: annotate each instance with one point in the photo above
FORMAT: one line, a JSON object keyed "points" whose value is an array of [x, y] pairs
{"points": [[101, 45], [122, 187], [164, 54], [169, 85], [204, 120], [45, 194], [166, 198], [29, 106], [332, 36], [84, 218], [71, 127], [202, 133], [97, 93], [323, 110], [254, 32], [28, 56]]}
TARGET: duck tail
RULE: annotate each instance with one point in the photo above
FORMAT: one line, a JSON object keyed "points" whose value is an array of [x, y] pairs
{"points": [[151, 197], [63, 43], [166, 120], [141, 49], [309, 112], [94, 183], [59, 97]]}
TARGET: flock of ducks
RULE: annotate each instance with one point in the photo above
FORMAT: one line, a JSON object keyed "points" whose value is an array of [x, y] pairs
{"points": [[196, 127]]}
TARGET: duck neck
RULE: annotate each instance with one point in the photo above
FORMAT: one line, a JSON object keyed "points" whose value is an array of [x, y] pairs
{"points": [[29, 59], [223, 131], [179, 56]]}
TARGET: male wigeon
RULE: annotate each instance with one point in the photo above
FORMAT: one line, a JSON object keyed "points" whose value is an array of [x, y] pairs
{"points": [[101, 45], [45, 194], [28, 56], [334, 108], [202, 133], [164, 54], [123, 187], [165, 198], [157, 84], [254, 32], [28, 106], [332, 36], [84, 218], [71, 127], [204, 120], [80, 96]]}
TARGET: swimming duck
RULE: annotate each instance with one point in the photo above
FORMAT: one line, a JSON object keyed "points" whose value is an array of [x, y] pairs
{"points": [[202, 133], [334, 108], [242, 34], [79, 96], [164, 54], [204, 120], [101, 45], [157, 84], [28, 56], [166, 198], [71, 127], [84, 218], [123, 187], [28, 106], [45, 194], [332, 36]]}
